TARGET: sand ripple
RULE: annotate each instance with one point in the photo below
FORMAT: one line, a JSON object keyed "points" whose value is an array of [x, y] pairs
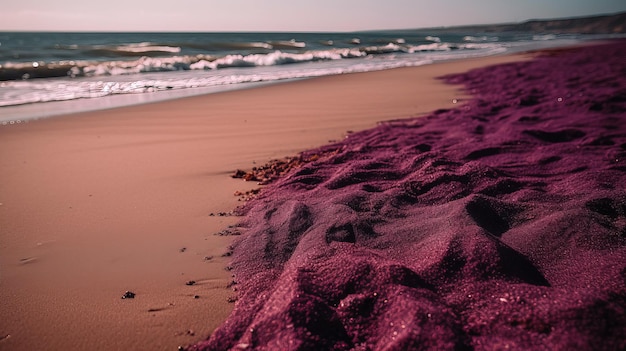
{"points": [[500, 224]]}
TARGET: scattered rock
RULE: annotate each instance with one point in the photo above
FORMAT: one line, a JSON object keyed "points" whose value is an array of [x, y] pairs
{"points": [[128, 295], [228, 253], [239, 174], [196, 296], [183, 249], [221, 214], [275, 169], [230, 231], [190, 282], [247, 195]]}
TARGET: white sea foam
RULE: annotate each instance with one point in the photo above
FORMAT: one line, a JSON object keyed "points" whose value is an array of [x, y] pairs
{"points": [[162, 68], [159, 63], [287, 44], [44, 90], [483, 38], [147, 47], [151, 74], [544, 37]]}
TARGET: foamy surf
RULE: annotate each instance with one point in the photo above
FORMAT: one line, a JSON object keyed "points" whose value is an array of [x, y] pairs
{"points": [[79, 66]]}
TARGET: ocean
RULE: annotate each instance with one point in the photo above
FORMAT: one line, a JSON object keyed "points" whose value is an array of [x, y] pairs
{"points": [[47, 74]]}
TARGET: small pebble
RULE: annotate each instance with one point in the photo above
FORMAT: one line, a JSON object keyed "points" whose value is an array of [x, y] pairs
{"points": [[190, 282], [128, 295]]}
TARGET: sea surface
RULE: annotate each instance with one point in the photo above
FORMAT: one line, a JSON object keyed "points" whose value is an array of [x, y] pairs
{"points": [[46, 74]]}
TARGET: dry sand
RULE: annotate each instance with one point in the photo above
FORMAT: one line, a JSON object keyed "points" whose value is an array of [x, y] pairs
{"points": [[498, 225], [98, 203]]}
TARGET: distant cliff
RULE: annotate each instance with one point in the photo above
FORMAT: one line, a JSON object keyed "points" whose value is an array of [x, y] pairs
{"points": [[605, 24]]}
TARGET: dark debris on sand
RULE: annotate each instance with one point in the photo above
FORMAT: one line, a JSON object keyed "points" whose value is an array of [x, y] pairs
{"points": [[497, 225], [128, 295], [274, 169]]}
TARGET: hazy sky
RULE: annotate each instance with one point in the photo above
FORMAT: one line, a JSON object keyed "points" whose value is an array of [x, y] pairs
{"points": [[282, 15]]}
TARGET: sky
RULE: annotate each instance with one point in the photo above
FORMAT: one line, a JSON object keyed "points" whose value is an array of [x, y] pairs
{"points": [[282, 15]]}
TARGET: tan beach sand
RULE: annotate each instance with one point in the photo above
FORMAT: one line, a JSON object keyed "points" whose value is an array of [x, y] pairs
{"points": [[98, 203]]}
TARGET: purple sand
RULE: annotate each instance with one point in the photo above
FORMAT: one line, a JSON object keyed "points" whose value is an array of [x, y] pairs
{"points": [[497, 225]]}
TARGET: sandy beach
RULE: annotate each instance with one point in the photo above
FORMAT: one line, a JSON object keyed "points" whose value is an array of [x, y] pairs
{"points": [[96, 204], [496, 225]]}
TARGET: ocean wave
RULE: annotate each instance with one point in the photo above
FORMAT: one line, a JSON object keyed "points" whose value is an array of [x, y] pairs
{"points": [[544, 37], [122, 50], [147, 63], [470, 38], [92, 79], [138, 49], [147, 47], [276, 58], [432, 47], [287, 44], [237, 46], [46, 90], [84, 68]]}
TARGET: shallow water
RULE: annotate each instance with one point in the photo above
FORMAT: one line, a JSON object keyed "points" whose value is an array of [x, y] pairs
{"points": [[90, 68]]}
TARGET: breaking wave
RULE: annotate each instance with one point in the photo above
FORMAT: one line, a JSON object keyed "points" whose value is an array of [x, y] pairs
{"points": [[146, 61]]}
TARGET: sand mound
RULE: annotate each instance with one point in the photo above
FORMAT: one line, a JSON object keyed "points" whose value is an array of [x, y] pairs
{"points": [[500, 224]]}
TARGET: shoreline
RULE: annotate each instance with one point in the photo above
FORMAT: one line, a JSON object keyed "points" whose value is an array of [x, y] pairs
{"points": [[97, 203], [27, 113]]}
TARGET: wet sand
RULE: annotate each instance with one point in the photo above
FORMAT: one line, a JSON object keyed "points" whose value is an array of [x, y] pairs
{"points": [[97, 204]]}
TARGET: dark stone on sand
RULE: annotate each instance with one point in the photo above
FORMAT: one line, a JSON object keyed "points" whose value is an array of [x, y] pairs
{"points": [[426, 234], [190, 282], [229, 232], [239, 174], [128, 295]]}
